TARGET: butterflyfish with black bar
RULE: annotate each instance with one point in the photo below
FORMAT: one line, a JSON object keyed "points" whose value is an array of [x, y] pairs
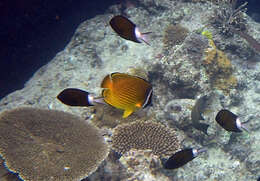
{"points": [[126, 92], [229, 121], [127, 29], [77, 97], [182, 157]]}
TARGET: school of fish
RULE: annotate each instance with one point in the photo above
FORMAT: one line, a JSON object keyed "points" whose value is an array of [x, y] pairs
{"points": [[131, 93]]}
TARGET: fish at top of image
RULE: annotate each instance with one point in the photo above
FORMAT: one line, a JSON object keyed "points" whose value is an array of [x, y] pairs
{"points": [[127, 29], [229, 121], [122, 91], [182, 157]]}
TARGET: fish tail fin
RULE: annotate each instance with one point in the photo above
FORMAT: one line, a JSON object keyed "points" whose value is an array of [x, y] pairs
{"points": [[202, 150], [202, 127], [245, 128], [145, 37], [99, 100], [127, 112]]}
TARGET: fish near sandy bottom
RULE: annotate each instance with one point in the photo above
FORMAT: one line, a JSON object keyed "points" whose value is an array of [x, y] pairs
{"points": [[196, 113], [182, 157], [127, 29], [229, 121], [122, 91], [126, 92]]}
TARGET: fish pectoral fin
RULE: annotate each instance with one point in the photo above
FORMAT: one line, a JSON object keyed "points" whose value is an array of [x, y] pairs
{"points": [[127, 113]]}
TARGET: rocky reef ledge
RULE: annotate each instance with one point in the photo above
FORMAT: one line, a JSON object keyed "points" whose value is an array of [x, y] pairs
{"points": [[197, 48]]}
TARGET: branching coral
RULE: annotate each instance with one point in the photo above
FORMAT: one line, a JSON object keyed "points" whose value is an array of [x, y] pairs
{"points": [[226, 17], [142, 135]]}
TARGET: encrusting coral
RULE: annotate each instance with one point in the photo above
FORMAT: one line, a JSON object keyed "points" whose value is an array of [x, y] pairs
{"points": [[142, 165], [49, 145], [174, 35], [143, 135], [219, 68]]}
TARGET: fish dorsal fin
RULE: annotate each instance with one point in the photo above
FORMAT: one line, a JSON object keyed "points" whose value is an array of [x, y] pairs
{"points": [[107, 82], [127, 113], [117, 76]]}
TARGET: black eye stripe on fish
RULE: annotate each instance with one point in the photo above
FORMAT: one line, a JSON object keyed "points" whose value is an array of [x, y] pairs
{"points": [[148, 100], [229, 121], [125, 92]]}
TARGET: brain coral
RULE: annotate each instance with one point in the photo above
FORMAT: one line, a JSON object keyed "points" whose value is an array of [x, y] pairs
{"points": [[49, 145], [143, 135]]}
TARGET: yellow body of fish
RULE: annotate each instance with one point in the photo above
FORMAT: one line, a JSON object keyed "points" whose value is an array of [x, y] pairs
{"points": [[126, 92]]}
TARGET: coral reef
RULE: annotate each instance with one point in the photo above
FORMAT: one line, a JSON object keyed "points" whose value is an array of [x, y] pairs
{"points": [[143, 165], [49, 145], [219, 68], [180, 75], [143, 135], [226, 17], [139, 72], [110, 169], [106, 116], [5, 175], [174, 35]]}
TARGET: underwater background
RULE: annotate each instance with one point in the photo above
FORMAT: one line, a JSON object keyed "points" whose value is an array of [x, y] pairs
{"points": [[199, 50]]}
